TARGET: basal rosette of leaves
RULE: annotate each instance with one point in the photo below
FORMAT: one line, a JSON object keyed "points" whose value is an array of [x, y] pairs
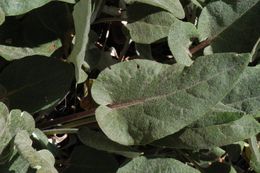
{"points": [[129, 86]]}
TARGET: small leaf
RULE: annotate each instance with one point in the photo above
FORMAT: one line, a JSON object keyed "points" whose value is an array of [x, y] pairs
{"points": [[99, 141], [216, 133], [41, 160], [232, 26], [12, 53], [140, 99], [13, 122], [164, 165], [173, 6], [82, 18], [37, 83], [151, 28], [179, 41]]}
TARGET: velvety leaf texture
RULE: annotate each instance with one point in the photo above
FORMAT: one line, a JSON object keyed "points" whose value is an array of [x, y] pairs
{"points": [[151, 28], [11, 53], [179, 41], [82, 18], [233, 26], [17, 7], [41, 160], [141, 100], [245, 96], [35, 83], [166, 165], [11, 123], [216, 133]]}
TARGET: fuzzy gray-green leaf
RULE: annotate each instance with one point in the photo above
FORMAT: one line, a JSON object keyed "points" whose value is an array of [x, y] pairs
{"points": [[232, 26], [219, 129], [179, 41], [159, 165], [82, 18]]}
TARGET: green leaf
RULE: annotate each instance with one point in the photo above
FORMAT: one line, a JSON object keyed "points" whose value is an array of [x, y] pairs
{"points": [[99, 141], [245, 96], [84, 159], [151, 28], [159, 165], [37, 83], [256, 50], [179, 41], [41, 160], [218, 130], [13, 122], [2, 16], [141, 100], [17, 7], [173, 6], [11, 53], [82, 18], [233, 26], [255, 154]]}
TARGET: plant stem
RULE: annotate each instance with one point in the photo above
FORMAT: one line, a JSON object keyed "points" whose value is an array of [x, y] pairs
{"points": [[200, 46], [60, 131], [69, 118]]}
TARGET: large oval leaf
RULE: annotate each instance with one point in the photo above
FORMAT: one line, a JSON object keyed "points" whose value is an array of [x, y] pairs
{"points": [[173, 6], [35, 83], [142, 101], [144, 165], [233, 26]]}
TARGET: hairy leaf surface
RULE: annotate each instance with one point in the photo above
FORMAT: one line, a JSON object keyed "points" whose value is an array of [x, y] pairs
{"points": [[233, 26], [166, 165], [179, 41], [142, 101]]}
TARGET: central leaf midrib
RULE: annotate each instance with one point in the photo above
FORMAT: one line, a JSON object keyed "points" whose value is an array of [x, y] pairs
{"points": [[147, 99]]}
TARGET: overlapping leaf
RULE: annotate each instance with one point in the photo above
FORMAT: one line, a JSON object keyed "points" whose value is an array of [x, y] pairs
{"points": [[35, 83], [82, 19], [17, 7], [165, 95], [214, 130], [166, 165], [245, 96], [42, 160], [151, 28], [179, 41], [233, 26], [11, 53], [13, 122], [99, 141]]}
